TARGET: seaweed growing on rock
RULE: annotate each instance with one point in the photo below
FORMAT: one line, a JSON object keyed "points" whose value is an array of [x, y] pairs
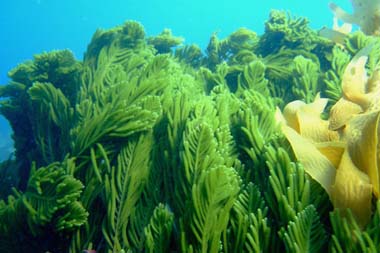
{"points": [[142, 148], [61, 73], [49, 208], [165, 41]]}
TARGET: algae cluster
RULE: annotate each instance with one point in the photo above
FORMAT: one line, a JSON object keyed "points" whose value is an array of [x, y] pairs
{"points": [[148, 145]]}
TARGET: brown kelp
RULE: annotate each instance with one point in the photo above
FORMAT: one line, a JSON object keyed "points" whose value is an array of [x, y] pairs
{"points": [[151, 146]]}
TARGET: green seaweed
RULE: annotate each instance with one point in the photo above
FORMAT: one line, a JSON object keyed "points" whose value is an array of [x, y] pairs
{"points": [[249, 230], [164, 41], [349, 237], [123, 186], [306, 233], [143, 148], [190, 55], [48, 207], [212, 198], [333, 77], [61, 72], [52, 121], [159, 230], [282, 30], [305, 79]]}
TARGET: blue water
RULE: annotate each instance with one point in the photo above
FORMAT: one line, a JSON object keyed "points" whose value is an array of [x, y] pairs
{"points": [[28, 27]]}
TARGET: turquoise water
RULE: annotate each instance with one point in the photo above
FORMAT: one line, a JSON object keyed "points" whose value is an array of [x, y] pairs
{"points": [[32, 26]]}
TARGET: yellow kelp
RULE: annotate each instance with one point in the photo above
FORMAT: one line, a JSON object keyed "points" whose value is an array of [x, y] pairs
{"points": [[343, 152], [366, 14], [337, 33]]}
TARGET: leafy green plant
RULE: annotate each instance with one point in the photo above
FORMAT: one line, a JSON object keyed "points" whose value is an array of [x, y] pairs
{"points": [[50, 204], [142, 148]]}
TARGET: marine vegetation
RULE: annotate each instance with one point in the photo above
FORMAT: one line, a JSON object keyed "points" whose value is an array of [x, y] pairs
{"points": [[366, 14], [148, 145]]}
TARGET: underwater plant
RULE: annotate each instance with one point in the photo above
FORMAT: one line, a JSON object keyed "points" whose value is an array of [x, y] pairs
{"points": [[141, 147], [343, 151], [366, 14]]}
